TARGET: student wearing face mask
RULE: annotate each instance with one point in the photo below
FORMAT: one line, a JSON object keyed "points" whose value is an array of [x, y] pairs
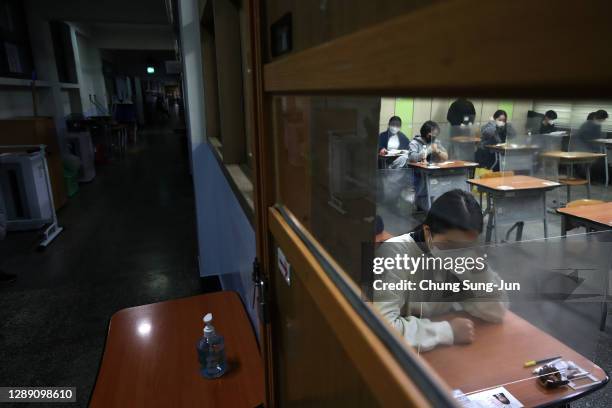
{"points": [[454, 221], [460, 116], [495, 131], [548, 122], [394, 139], [426, 147]]}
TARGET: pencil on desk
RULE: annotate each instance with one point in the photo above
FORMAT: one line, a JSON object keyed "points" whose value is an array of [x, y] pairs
{"points": [[531, 363]]}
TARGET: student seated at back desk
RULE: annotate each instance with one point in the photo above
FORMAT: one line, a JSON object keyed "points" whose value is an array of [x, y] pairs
{"points": [[493, 132], [453, 222], [582, 141], [460, 116], [548, 122], [393, 140], [425, 148], [590, 130]]}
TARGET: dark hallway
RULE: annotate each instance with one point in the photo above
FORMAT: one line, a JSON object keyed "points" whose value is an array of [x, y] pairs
{"points": [[129, 240]]}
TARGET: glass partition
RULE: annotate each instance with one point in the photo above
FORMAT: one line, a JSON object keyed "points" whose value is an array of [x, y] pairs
{"points": [[483, 187], [497, 319]]}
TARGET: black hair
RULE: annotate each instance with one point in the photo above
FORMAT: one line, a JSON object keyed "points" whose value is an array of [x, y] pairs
{"points": [[395, 118], [551, 114], [591, 116], [428, 127], [500, 112], [455, 209], [600, 115]]}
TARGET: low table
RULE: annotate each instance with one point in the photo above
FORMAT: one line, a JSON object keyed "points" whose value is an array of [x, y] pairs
{"points": [[150, 357]]}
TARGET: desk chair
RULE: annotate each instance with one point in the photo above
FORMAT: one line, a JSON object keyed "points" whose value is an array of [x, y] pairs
{"points": [[569, 182]]}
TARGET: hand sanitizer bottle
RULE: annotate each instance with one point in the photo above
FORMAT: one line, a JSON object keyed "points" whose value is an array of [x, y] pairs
{"points": [[211, 351]]}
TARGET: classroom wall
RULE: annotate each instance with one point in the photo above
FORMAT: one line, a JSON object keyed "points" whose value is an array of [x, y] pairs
{"points": [[415, 111], [226, 239], [17, 101], [89, 72]]}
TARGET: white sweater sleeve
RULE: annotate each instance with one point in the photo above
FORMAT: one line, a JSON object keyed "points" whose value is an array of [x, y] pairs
{"points": [[422, 334]]}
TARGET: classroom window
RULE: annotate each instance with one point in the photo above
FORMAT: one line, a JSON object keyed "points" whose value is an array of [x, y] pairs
{"points": [[227, 80], [450, 215]]}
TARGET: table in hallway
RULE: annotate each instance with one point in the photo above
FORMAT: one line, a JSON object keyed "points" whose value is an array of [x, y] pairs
{"points": [[150, 357]]}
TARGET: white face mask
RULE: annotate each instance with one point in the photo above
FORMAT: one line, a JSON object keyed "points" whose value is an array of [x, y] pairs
{"points": [[394, 130], [551, 122], [500, 123]]}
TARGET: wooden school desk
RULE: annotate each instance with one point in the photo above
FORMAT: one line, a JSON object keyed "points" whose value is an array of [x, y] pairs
{"points": [[606, 147], [570, 158], [464, 147], [513, 200], [438, 178], [514, 157], [496, 358], [597, 217], [150, 357]]}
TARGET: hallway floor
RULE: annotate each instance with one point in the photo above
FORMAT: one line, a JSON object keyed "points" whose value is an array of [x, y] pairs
{"points": [[129, 240]]}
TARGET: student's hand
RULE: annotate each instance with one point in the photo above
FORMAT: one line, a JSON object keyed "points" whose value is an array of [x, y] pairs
{"points": [[434, 148], [383, 152], [463, 330]]}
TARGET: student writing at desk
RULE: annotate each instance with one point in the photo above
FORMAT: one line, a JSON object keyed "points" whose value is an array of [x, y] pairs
{"points": [[425, 147], [453, 222], [590, 130], [493, 132], [393, 139], [548, 122]]}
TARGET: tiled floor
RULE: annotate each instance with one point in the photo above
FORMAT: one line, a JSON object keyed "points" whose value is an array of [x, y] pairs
{"points": [[129, 240]]}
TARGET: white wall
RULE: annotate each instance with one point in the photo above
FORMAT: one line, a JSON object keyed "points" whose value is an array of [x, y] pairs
{"points": [[89, 72]]}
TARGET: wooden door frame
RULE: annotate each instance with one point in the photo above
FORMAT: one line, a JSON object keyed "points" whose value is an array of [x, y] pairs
{"points": [[351, 65]]}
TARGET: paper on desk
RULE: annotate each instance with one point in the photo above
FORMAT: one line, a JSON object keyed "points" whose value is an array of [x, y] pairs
{"points": [[505, 188], [495, 398], [550, 183], [396, 152], [470, 164]]}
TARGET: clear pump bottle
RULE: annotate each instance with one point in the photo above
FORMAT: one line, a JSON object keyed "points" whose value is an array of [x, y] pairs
{"points": [[211, 351]]}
